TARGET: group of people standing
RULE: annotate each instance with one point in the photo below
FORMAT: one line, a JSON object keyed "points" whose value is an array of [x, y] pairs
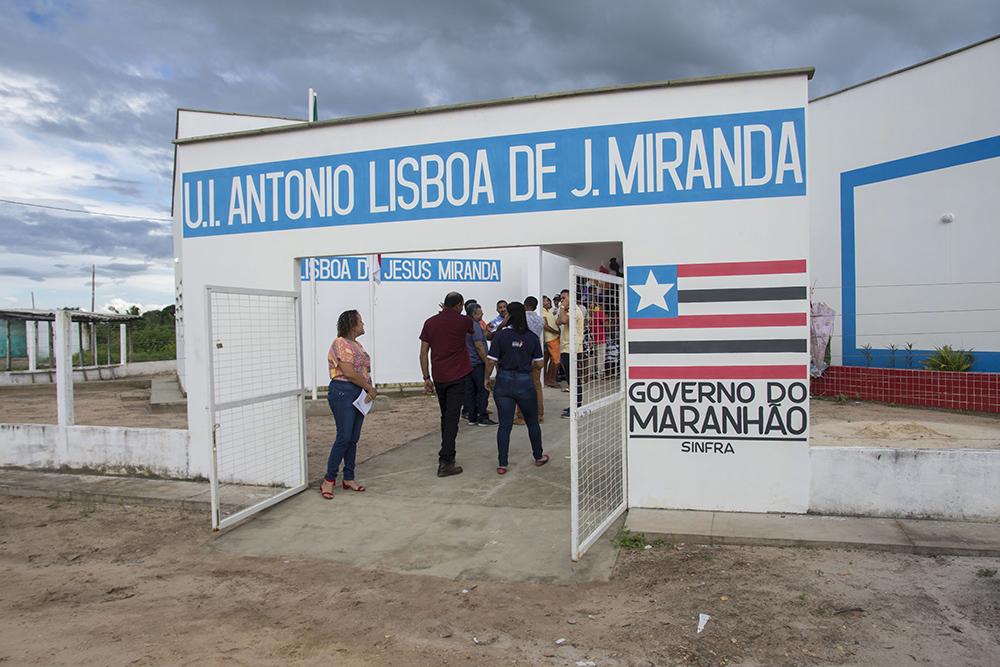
{"points": [[458, 365], [459, 352]]}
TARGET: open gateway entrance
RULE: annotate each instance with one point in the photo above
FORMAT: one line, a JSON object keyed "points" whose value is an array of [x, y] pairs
{"points": [[260, 382]]}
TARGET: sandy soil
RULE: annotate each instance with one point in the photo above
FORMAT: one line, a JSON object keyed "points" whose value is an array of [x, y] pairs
{"points": [[118, 585], [878, 425]]}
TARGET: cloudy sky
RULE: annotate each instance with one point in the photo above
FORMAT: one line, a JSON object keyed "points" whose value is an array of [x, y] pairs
{"points": [[88, 90]]}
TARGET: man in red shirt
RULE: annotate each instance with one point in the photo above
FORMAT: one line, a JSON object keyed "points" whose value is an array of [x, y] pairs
{"points": [[443, 340]]}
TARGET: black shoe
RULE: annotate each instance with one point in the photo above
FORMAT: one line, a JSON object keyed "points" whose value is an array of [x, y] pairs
{"points": [[473, 422], [486, 421], [448, 469], [565, 414]]}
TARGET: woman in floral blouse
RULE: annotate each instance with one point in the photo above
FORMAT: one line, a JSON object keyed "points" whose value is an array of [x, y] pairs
{"points": [[350, 374]]}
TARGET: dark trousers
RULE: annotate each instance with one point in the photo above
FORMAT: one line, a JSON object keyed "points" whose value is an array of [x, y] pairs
{"points": [[580, 370], [476, 395], [450, 396], [516, 390], [341, 397]]}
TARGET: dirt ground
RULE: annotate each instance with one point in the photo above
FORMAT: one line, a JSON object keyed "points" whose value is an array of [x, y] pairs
{"points": [[856, 423], [120, 585], [848, 423], [126, 403]]}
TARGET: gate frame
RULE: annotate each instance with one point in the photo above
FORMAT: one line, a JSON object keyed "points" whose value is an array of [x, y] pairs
{"points": [[577, 548], [218, 522]]}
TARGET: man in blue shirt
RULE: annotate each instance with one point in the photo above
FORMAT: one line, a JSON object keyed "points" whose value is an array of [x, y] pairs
{"points": [[476, 396]]}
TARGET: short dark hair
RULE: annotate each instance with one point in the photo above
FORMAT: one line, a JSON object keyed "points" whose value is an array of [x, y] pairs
{"points": [[471, 307], [501, 301], [565, 291], [469, 302], [347, 321], [530, 303], [452, 299]]}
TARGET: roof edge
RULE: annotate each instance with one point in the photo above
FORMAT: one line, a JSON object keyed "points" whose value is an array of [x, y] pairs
{"points": [[239, 113], [907, 68], [461, 106]]}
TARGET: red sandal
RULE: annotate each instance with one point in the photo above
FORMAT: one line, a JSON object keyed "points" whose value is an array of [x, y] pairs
{"points": [[542, 461], [501, 470], [359, 488], [327, 495]]}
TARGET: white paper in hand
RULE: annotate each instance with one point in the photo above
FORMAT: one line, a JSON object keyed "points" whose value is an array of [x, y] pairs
{"points": [[361, 404]]}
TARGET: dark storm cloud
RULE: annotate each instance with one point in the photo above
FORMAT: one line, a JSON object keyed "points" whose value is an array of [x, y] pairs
{"points": [[40, 233], [102, 76], [124, 186], [29, 274]]}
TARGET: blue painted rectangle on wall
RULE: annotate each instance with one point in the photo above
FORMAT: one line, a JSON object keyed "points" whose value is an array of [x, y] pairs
{"points": [[733, 156], [973, 151]]}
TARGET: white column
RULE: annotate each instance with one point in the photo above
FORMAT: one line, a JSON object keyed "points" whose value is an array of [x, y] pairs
{"points": [[64, 367], [122, 346], [31, 333]]}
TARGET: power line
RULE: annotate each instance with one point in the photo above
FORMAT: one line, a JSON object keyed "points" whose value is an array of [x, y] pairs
{"points": [[80, 210]]}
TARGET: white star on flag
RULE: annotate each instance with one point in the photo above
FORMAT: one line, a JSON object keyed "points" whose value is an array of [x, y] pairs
{"points": [[652, 293]]}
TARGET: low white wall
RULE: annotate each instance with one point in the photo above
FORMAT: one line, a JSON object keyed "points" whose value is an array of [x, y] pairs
{"points": [[106, 449], [904, 483], [45, 376]]}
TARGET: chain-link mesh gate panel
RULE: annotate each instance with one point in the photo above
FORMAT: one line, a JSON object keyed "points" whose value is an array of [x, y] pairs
{"points": [[256, 401], [597, 399]]}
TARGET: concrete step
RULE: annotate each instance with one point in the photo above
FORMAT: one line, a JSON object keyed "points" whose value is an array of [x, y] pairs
{"points": [[165, 394]]}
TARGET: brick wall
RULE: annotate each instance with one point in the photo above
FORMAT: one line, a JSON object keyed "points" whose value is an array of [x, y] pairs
{"points": [[977, 392]]}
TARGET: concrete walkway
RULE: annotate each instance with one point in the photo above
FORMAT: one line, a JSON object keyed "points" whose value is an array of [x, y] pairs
{"points": [[917, 536], [474, 525]]}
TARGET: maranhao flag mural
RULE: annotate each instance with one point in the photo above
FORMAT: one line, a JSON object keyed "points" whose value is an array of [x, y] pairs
{"points": [[718, 321]]}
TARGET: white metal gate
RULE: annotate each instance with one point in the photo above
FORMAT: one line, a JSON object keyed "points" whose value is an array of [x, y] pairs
{"points": [[256, 401], [597, 405]]}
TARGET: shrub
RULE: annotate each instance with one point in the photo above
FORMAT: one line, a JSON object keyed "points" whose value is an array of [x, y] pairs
{"points": [[947, 359]]}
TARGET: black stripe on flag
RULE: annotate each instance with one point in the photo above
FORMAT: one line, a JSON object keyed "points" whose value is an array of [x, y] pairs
{"points": [[741, 294], [716, 346]]}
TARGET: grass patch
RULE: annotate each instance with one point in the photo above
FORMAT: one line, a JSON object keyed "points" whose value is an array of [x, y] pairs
{"points": [[986, 572], [626, 539]]}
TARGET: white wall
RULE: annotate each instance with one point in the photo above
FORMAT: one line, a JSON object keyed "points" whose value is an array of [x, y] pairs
{"points": [[195, 123], [919, 280], [916, 483], [402, 307], [104, 449], [761, 476], [45, 376]]}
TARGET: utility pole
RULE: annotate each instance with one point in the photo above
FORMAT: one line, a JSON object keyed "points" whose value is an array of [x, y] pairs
{"points": [[93, 325]]}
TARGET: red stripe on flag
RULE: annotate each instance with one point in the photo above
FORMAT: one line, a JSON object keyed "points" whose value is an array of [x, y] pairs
{"points": [[741, 268], [719, 321], [718, 373]]}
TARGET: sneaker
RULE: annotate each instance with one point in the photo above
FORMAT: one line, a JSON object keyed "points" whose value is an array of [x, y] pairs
{"points": [[448, 469], [486, 421], [473, 422], [565, 414]]}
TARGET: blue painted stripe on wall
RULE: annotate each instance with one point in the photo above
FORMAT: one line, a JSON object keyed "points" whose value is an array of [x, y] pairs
{"points": [[952, 156]]}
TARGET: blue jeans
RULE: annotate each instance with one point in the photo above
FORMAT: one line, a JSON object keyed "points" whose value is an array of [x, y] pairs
{"points": [[341, 397], [476, 395], [516, 390]]}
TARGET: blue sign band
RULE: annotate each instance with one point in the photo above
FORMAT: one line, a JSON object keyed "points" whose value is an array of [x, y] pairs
{"points": [[734, 156], [402, 269]]}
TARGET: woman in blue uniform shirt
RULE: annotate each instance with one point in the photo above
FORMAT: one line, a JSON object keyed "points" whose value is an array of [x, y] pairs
{"points": [[514, 350]]}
